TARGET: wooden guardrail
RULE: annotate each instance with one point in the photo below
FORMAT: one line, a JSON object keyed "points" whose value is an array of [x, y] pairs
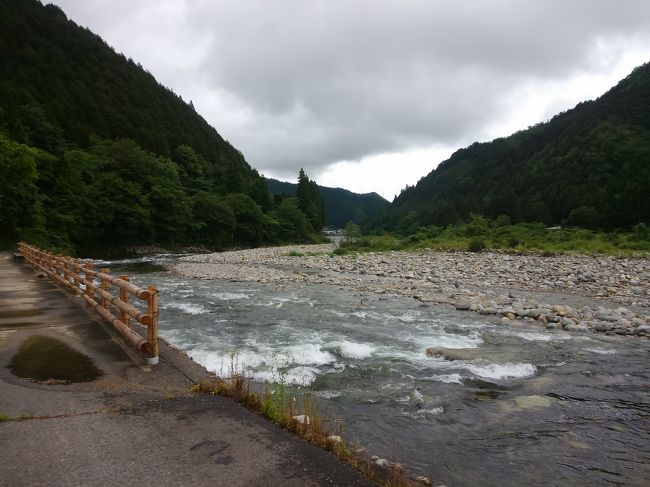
{"points": [[79, 276]]}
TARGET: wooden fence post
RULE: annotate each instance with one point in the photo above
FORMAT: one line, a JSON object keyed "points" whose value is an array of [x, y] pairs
{"points": [[66, 275], [106, 304], [124, 297], [152, 329], [89, 280], [74, 273]]}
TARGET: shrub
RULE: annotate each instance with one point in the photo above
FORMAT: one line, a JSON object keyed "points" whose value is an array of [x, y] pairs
{"points": [[477, 226], [476, 245], [502, 221], [642, 231]]}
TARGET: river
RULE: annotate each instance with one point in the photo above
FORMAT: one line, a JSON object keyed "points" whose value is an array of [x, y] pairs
{"points": [[535, 407]]}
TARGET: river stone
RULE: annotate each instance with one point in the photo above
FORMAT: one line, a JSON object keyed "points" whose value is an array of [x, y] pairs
{"points": [[552, 317], [531, 402], [622, 323], [463, 306], [422, 479], [567, 322], [559, 310], [603, 326], [533, 313], [302, 419], [551, 326], [571, 313], [453, 353], [488, 311], [645, 329], [382, 462], [604, 316], [624, 311], [576, 328], [637, 322]]}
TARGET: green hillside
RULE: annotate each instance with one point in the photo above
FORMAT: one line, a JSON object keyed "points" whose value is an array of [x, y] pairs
{"points": [[587, 167], [96, 155], [341, 205]]}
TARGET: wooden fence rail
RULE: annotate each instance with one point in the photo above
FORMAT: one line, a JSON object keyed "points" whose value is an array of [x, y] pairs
{"points": [[79, 276]]}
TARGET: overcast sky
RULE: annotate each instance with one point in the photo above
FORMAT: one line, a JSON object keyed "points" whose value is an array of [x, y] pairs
{"points": [[370, 95]]}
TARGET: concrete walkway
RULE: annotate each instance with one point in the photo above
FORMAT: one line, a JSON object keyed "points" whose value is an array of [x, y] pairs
{"points": [[134, 425]]}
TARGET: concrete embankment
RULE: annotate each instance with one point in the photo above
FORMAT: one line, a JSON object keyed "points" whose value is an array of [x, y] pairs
{"points": [[133, 424]]}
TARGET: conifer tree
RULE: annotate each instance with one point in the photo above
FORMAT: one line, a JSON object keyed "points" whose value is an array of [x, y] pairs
{"points": [[310, 201]]}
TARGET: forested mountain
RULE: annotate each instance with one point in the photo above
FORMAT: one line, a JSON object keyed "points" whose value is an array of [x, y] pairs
{"points": [[96, 155], [341, 205], [588, 167]]}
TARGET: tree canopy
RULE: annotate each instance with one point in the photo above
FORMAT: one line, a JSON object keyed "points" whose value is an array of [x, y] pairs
{"points": [[97, 156]]}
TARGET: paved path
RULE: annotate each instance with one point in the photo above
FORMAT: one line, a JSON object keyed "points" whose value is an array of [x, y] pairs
{"points": [[135, 425]]}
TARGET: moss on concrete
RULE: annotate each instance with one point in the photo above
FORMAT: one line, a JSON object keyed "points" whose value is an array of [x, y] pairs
{"points": [[45, 359]]}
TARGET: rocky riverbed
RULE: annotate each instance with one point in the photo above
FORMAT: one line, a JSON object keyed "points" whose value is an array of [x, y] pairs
{"points": [[576, 293]]}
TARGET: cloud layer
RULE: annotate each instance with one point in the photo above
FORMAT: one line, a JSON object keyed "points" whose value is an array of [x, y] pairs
{"points": [[307, 84]]}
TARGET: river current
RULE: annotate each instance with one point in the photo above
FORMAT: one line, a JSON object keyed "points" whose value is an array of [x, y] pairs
{"points": [[534, 407]]}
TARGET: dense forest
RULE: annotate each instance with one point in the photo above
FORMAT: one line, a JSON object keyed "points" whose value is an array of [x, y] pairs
{"points": [[588, 167], [96, 155], [341, 206]]}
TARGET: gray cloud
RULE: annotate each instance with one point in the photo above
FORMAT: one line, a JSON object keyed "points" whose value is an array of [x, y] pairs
{"points": [[333, 80]]}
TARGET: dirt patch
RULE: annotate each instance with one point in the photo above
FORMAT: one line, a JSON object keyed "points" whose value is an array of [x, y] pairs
{"points": [[50, 361]]}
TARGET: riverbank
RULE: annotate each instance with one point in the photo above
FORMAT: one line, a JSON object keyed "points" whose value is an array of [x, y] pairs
{"points": [[576, 293]]}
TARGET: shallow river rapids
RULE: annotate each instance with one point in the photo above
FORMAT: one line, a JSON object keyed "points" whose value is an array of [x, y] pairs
{"points": [[536, 407]]}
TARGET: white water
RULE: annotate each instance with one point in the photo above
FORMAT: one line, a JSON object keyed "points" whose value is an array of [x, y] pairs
{"points": [[499, 371]]}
